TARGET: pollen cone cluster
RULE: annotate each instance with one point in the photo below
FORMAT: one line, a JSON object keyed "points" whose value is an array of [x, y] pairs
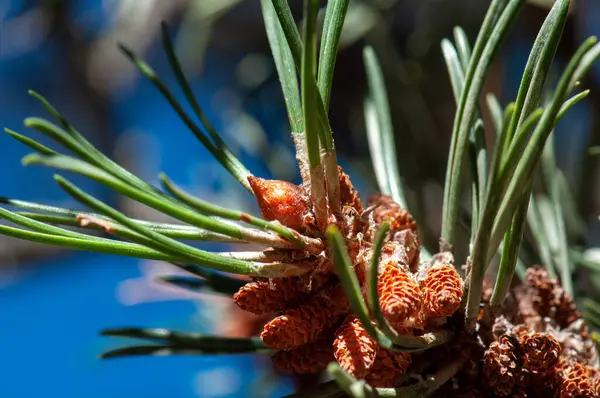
{"points": [[537, 346], [311, 323]]}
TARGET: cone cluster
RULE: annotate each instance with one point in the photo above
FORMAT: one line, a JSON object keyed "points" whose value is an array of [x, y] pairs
{"points": [[538, 347], [544, 350], [312, 323]]}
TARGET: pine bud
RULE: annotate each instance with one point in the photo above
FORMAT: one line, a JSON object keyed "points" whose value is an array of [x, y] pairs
{"points": [[281, 201]]}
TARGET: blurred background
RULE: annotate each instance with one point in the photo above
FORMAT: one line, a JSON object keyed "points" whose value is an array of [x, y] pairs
{"points": [[54, 302]]}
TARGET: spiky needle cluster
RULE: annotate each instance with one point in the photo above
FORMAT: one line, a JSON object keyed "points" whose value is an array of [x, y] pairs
{"points": [[345, 286]]}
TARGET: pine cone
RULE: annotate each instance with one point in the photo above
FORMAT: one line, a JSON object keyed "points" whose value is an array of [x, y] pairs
{"points": [[281, 201], [500, 365], [573, 380], [399, 295], [388, 210], [309, 358], [354, 349], [549, 297], [388, 368], [263, 297], [540, 352], [442, 291], [302, 325]]}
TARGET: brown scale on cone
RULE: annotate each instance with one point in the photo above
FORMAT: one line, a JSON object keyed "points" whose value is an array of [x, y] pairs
{"points": [[442, 291], [388, 367], [399, 295], [281, 201], [501, 366], [573, 380], [354, 349], [308, 358], [305, 324]]}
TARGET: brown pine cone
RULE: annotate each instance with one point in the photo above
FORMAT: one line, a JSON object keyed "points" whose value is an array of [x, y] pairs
{"points": [[442, 291], [399, 295], [265, 297], [388, 367], [549, 297], [302, 325], [354, 349], [388, 210], [540, 352], [309, 358], [573, 380], [500, 366]]}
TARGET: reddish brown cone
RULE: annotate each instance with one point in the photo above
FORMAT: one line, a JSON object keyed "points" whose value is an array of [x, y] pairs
{"points": [[280, 201], [309, 358], [388, 368], [442, 291], [354, 349], [305, 324], [267, 297], [399, 295], [573, 380]]}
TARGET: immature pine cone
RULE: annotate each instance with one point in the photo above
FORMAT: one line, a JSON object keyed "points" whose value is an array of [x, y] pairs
{"points": [[298, 326], [399, 295], [388, 210], [573, 380], [500, 366], [308, 358], [354, 349], [281, 201], [388, 368], [264, 297], [442, 291]]}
